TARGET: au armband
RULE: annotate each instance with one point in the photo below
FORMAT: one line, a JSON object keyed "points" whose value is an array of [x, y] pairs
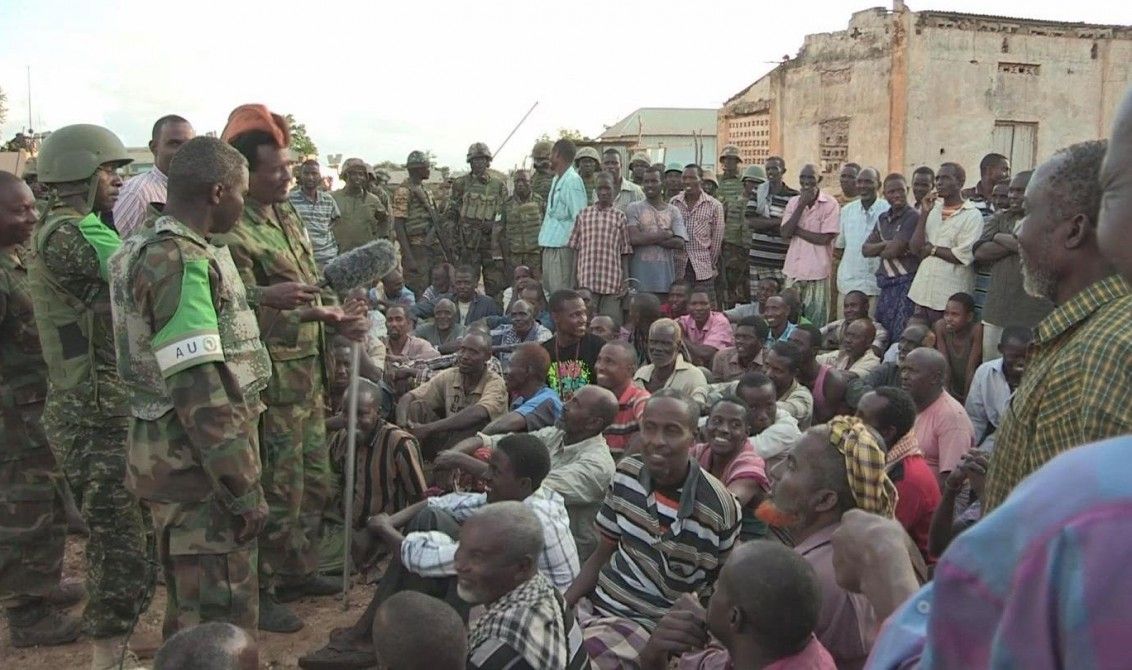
{"points": [[192, 336]]}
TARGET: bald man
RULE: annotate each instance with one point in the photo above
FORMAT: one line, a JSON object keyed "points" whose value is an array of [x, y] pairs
{"points": [[216, 645], [943, 429], [581, 465], [856, 355], [811, 222], [412, 631], [535, 404], [858, 220]]}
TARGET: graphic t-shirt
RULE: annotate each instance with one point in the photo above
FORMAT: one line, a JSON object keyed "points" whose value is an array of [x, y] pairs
{"points": [[572, 367]]}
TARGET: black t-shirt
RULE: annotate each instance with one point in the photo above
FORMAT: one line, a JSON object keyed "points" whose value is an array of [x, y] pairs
{"points": [[572, 367]]}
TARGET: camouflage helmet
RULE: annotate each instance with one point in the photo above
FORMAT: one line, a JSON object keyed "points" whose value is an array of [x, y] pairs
{"points": [[673, 167], [587, 152], [542, 149], [350, 163], [416, 159], [74, 153], [709, 175], [639, 158], [478, 150], [381, 175], [754, 173], [730, 151]]}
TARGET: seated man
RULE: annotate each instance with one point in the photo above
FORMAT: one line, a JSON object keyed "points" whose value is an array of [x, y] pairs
{"points": [[524, 623], [581, 468], [676, 303], [943, 430], [773, 429], [764, 288], [402, 348], [443, 333], [777, 315], [856, 356], [728, 455], [782, 368], [705, 331], [471, 305], [455, 402], [835, 467], [747, 354], [892, 413], [855, 306], [511, 293], [888, 373], [534, 405], [994, 384], [424, 554], [616, 364], [522, 328], [604, 327], [413, 631], [762, 615], [667, 528], [644, 310], [218, 645], [668, 368], [391, 292], [827, 386]]}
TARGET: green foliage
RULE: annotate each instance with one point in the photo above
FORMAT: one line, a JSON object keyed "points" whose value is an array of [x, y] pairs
{"points": [[572, 134], [300, 140]]}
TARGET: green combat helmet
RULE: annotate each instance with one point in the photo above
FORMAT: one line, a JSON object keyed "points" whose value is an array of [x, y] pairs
{"points": [[754, 173], [416, 159], [353, 162], [381, 175], [709, 175], [542, 150], [730, 151], [639, 158], [674, 167], [74, 153], [587, 152], [478, 150]]}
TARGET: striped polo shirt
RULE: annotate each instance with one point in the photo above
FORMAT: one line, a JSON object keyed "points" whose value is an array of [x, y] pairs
{"points": [[668, 542], [768, 249]]}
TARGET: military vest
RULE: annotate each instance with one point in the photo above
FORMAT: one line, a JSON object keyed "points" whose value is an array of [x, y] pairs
{"points": [[482, 200], [75, 332], [540, 184], [23, 374], [522, 221], [417, 219], [204, 329], [730, 194]]}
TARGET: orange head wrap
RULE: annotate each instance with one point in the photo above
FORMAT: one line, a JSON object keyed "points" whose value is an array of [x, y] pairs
{"points": [[246, 118]]}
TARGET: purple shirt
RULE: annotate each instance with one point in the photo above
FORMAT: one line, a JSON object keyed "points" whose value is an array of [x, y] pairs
{"points": [[715, 333], [1042, 582]]}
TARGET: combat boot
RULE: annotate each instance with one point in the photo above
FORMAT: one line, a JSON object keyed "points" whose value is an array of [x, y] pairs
{"points": [[69, 592], [111, 653], [316, 585], [39, 624], [275, 618]]}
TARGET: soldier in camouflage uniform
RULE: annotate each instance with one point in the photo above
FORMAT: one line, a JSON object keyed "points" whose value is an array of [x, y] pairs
{"points": [[190, 354], [733, 283], [32, 528], [543, 175], [86, 413], [273, 256], [416, 220], [587, 162], [522, 218], [474, 211], [379, 186], [365, 217]]}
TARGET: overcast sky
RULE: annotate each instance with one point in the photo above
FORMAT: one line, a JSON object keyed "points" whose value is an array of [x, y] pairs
{"points": [[378, 79]]}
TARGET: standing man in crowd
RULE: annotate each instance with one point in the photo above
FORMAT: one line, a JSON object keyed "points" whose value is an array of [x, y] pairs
{"points": [[148, 189], [86, 412], [518, 229], [993, 169], [703, 218], [889, 242], [474, 211], [31, 505], [363, 216], [656, 231], [1007, 302], [269, 248], [601, 246], [1077, 387], [543, 173], [810, 223], [190, 355], [637, 166], [733, 285], [567, 199], [416, 222], [847, 180], [944, 238], [318, 210], [587, 161], [859, 218], [764, 215], [625, 192]]}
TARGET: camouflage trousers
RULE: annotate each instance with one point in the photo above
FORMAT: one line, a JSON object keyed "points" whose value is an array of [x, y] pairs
{"points": [[732, 284], [208, 575], [297, 484], [119, 552], [427, 258], [480, 259], [32, 526], [532, 260]]}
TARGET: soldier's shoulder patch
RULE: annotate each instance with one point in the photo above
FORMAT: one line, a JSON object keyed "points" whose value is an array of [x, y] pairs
{"points": [[192, 336]]}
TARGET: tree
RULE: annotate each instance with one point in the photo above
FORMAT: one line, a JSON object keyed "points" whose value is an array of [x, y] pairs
{"points": [[300, 140], [574, 135], [3, 106]]}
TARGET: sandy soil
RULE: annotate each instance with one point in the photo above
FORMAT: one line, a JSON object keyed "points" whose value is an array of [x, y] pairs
{"points": [[275, 651]]}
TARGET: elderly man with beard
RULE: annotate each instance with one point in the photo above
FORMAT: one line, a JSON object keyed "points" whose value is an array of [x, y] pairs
{"points": [[668, 369], [1078, 387], [834, 468], [443, 333], [534, 405], [667, 527]]}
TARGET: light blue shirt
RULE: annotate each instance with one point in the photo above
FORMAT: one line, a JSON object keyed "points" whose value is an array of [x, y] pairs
{"points": [[567, 199], [857, 273]]}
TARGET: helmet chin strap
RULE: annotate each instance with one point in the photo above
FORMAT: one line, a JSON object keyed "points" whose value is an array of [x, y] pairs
{"points": [[92, 190]]}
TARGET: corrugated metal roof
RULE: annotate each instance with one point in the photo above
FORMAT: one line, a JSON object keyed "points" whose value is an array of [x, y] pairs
{"points": [[663, 121]]}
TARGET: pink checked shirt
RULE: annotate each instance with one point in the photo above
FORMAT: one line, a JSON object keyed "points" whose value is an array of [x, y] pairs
{"points": [[600, 240], [704, 222], [805, 260], [715, 333]]}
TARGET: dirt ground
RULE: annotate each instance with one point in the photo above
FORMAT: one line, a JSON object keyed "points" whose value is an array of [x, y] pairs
{"points": [[275, 651]]}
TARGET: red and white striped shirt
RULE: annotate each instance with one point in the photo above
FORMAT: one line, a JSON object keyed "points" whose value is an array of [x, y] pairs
{"points": [[134, 199], [704, 222]]}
